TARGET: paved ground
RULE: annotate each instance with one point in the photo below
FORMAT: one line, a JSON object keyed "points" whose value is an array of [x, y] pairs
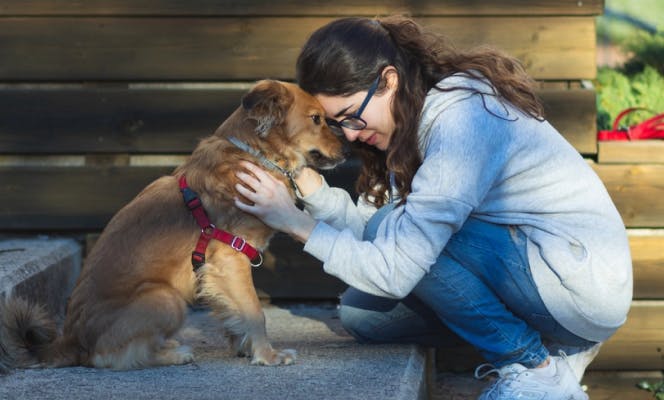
{"points": [[330, 365]]}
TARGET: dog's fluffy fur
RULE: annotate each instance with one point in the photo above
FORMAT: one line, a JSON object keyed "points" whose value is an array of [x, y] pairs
{"points": [[131, 297]]}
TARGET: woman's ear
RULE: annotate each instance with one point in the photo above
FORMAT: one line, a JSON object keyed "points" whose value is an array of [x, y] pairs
{"points": [[390, 77], [267, 103]]}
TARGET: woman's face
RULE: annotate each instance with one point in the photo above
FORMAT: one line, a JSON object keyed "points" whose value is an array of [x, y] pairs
{"points": [[377, 113]]}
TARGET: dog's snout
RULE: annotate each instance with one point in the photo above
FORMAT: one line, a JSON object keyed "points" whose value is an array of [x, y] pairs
{"points": [[319, 160]]}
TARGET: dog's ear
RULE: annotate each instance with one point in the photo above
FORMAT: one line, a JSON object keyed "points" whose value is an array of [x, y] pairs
{"points": [[267, 103]]}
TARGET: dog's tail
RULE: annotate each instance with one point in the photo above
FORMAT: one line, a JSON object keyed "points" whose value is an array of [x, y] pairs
{"points": [[26, 333]]}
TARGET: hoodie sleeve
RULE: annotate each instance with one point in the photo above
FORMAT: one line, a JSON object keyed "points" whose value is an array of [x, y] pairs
{"points": [[335, 207]]}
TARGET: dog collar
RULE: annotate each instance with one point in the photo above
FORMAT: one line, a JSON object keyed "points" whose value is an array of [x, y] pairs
{"points": [[209, 231], [265, 161]]}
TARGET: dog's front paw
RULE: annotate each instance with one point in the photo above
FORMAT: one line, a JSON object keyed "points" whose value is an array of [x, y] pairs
{"points": [[273, 357], [184, 355], [175, 356]]}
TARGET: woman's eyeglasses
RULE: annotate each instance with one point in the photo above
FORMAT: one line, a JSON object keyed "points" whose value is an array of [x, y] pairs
{"points": [[354, 121]]}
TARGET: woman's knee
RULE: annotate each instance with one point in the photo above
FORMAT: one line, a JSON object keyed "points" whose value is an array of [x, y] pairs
{"points": [[356, 322], [366, 316]]}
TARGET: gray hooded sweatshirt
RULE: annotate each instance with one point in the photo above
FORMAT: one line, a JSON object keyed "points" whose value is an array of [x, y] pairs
{"points": [[484, 158]]}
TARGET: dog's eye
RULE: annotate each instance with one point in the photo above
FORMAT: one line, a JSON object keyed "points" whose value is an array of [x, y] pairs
{"points": [[316, 119]]}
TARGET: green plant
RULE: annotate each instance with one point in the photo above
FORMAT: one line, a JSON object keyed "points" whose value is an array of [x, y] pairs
{"points": [[657, 389], [639, 83], [617, 91]]}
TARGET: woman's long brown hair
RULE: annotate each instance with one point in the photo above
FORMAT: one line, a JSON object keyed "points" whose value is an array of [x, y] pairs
{"points": [[345, 57]]}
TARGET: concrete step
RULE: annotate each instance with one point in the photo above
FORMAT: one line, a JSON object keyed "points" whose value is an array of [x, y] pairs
{"points": [[42, 269], [330, 364]]}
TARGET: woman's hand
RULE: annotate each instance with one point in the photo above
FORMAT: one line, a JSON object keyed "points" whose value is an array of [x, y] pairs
{"points": [[272, 203], [308, 181]]}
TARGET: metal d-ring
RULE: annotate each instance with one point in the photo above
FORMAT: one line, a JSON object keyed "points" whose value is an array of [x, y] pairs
{"points": [[259, 263]]}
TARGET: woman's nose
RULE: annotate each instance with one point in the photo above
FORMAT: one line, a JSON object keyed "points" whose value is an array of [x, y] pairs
{"points": [[351, 134]]}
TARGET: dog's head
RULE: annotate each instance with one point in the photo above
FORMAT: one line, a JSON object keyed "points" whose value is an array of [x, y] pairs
{"points": [[293, 122]]}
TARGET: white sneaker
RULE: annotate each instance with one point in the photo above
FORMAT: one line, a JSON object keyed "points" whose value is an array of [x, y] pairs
{"points": [[553, 382], [579, 361]]}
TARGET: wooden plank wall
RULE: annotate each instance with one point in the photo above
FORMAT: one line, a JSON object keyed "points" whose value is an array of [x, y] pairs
{"points": [[98, 98]]}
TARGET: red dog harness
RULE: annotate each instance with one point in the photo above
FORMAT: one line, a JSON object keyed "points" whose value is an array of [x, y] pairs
{"points": [[209, 231]]}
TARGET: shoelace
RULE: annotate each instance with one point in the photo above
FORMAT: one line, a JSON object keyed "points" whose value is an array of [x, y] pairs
{"points": [[504, 381], [563, 355], [479, 374]]}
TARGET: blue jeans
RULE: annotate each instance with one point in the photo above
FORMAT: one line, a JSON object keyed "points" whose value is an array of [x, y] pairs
{"points": [[480, 290]]}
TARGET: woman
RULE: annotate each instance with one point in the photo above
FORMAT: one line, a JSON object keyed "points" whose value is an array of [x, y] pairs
{"points": [[490, 226]]}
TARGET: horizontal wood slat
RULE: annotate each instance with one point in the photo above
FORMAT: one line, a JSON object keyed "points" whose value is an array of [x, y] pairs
{"points": [[42, 198], [300, 7], [69, 119], [573, 112], [638, 151], [68, 198], [639, 344], [648, 262], [637, 190], [225, 48]]}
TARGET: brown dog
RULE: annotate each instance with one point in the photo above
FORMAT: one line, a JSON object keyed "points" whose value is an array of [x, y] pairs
{"points": [[131, 297]]}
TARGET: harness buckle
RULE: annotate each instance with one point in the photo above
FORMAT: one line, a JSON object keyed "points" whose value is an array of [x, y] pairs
{"points": [[238, 243], [194, 203], [190, 198], [197, 260]]}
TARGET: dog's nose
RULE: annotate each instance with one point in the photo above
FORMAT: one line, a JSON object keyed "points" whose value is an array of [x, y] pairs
{"points": [[346, 150]]}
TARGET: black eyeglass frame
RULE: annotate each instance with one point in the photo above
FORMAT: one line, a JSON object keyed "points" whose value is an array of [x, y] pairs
{"points": [[354, 122]]}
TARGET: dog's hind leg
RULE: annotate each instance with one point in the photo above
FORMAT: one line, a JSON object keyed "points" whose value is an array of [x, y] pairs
{"points": [[141, 332], [226, 284]]}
